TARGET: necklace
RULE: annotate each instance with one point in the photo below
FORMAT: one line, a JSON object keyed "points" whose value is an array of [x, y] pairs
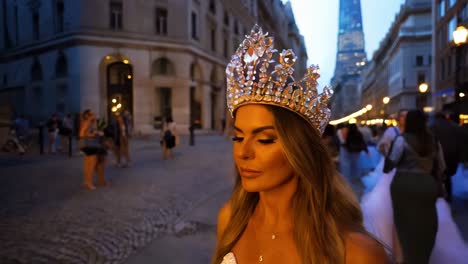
{"points": [[273, 236]]}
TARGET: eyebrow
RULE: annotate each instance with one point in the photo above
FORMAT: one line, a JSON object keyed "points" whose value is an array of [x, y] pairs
{"points": [[257, 130]]}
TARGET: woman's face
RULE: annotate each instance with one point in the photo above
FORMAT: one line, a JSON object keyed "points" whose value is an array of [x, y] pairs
{"points": [[258, 151]]}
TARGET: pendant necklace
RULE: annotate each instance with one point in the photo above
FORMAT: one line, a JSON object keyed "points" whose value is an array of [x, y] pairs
{"points": [[260, 255]]}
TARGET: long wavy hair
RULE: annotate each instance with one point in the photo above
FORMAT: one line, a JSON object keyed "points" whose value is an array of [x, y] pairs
{"points": [[324, 207]]}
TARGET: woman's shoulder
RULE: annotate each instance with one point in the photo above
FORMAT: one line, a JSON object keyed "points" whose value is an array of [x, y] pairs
{"points": [[361, 248], [223, 218]]}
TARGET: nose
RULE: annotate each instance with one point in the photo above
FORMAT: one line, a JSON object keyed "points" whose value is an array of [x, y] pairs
{"points": [[244, 150]]}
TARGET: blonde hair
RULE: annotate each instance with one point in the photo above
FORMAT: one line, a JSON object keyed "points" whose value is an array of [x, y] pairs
{"points": [[324, 207]]}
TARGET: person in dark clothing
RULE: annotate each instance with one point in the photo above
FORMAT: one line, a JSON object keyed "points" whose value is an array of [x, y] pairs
{"points": [[449, 136], [332, 142], [354, 144], [414, 188]]}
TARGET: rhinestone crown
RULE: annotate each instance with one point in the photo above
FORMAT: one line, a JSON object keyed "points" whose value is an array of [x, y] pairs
{"points": [[254, 77]]}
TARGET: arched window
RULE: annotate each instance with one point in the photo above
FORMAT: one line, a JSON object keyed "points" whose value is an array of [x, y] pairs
{"points": [[212, 6], [61, 66], [36, 70], [163, 66]]}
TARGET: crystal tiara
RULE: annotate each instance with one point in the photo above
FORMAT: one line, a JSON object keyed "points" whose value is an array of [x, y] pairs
{"points": [[254, 77]]}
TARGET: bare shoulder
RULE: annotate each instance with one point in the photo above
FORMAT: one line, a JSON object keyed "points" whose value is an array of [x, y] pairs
{"points": [[223, 218], [363, 249]]}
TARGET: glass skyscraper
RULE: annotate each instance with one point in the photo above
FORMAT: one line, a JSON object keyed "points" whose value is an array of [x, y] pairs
{"points": [[350, 55]]}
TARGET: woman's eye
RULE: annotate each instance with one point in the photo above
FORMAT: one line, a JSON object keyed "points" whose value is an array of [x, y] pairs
{"points": [[266, 141], [237, 139]]}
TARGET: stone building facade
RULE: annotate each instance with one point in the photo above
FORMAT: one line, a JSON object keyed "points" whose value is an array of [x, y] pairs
{"points": [[402, 62], [451, 67], [153, 58]]}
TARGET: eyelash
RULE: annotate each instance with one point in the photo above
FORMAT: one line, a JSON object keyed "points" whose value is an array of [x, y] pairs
{"points": [[263, 141]]}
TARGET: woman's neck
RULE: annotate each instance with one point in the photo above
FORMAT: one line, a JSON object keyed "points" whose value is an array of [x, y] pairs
{"points": [[274, 210]]}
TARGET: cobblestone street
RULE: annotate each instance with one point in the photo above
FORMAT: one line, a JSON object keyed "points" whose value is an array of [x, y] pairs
{"points": [[155, 211], [48, 218]]}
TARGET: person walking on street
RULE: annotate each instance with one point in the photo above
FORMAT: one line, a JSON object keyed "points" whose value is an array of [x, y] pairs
{"points": [[92, 146], [52, 131], [449, 136], [122, 140], [168, 140]]}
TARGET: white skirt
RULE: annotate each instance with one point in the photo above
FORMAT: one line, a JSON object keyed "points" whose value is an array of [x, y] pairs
{"points": [[378, 220]]}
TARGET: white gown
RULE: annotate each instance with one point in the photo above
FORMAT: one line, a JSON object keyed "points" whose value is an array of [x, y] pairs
{"points": [[230, 258], [378, 220]]}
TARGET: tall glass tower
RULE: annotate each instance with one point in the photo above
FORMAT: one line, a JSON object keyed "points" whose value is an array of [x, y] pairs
{"points": [[350, 56]]}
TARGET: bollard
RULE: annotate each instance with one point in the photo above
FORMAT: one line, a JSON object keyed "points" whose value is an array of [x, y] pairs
{"points": [[192, 135], [41, 139], [70, 145]]}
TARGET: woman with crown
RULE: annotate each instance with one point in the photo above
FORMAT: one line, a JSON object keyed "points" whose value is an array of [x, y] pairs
{"points": [[289, 205]]}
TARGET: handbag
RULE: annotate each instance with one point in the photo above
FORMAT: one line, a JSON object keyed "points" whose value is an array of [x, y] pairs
{"points": [[388, 163], [90, 142]]}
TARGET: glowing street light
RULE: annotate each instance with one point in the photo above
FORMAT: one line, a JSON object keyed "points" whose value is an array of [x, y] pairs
{"points": [[423, 87], [460, 35], [386, 100], [369, 107], [461, 95], [114, 100]]}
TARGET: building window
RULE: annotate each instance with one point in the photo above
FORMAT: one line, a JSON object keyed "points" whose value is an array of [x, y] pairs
{"points": [[116, 10], [449, 65], [451, 28], [452, 3], [464, 13], [226, 18], [36, 71], [61, 66], [35, 20], [5, 80], [59, 16], [225, 46], [442, 69], [194, 26], [161, 21], [236, 27], [15, 17], [429, 59], [212, 6], [421, 77], [419, 60], [213, 38], [162, 66], [441, 8], [236, 44]]}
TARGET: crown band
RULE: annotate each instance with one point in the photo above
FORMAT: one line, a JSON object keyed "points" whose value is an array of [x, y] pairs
{"points": [[254, 77]]}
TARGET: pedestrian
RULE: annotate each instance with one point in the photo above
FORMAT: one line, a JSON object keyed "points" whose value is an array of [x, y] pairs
{"points": [[169, 138], [354, 144], [65, 132], [391, 133], [414, 189], [91, 144], [52, 132], [288, 204], [332, 142], [449, 135], [123, 135]]}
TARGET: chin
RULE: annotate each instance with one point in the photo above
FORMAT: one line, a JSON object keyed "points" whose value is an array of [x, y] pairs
{"points": [[252, 185]]}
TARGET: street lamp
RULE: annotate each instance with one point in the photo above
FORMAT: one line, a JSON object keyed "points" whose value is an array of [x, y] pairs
{"points": [[385, 101], [423, 87], [421, 99], [460, 36]]}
